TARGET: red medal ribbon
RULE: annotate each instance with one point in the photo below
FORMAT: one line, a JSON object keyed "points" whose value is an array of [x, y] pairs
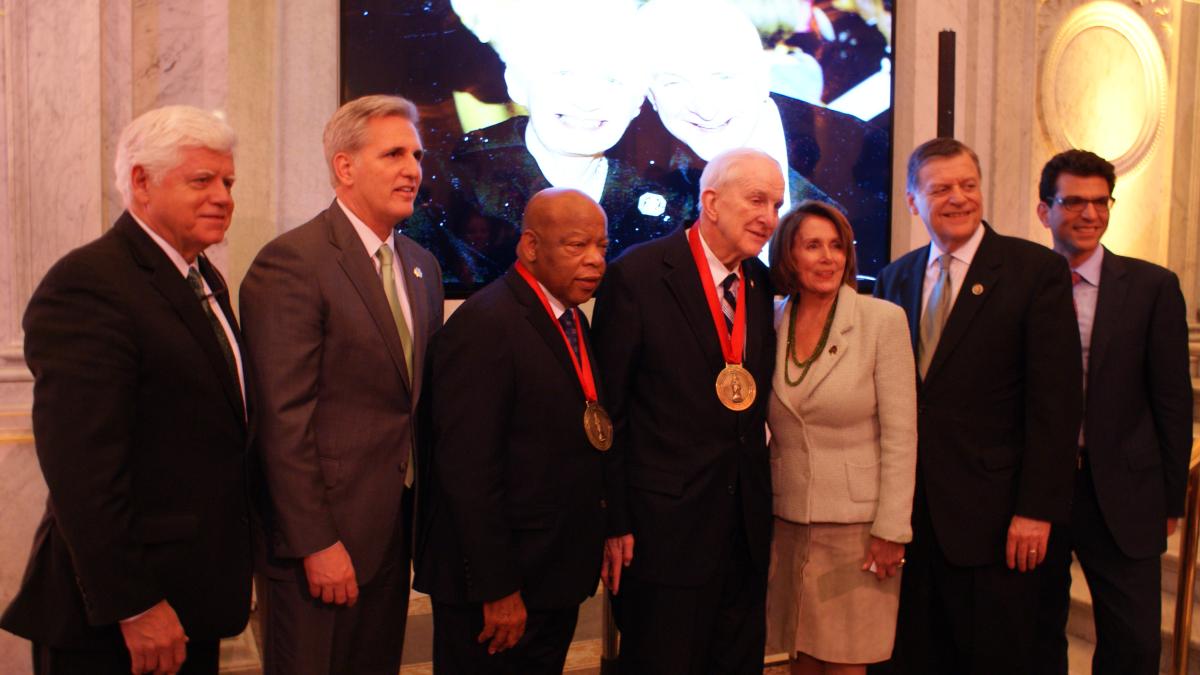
{"points": [[584, 369], [731, 345]]}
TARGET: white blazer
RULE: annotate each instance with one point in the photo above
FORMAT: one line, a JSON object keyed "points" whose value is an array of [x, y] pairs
{"points": [[846, 451]]}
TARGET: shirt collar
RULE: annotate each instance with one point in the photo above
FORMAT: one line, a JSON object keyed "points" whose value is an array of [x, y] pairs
{"points": [[964, 254], [555, 303], [1089, 271], [716, 268], [175, 256], [370, 240]]}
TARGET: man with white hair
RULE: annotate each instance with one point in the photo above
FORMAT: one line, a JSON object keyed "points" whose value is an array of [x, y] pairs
{"points": [[684, 337], [338, 312], [581, 91], [710, 85], [142, 561]]}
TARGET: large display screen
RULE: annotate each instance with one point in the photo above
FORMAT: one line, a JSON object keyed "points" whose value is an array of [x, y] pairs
{"points": [[626, 100]]}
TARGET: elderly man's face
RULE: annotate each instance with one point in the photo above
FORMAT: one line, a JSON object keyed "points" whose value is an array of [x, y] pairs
{"points": [[744, 209], [711, 100], [581, 107], [191, 205], [568, 253], [949, 199], [383, 176]]}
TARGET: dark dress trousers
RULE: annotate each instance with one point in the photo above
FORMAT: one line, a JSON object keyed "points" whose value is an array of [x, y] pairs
{"points": [[697, 494], [335, 439], [997, 417], [142, 439], [1133, 474]]}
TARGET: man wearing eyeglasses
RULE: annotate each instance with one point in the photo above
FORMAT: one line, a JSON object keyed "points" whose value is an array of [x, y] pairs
{"points": [[1136, 436]]}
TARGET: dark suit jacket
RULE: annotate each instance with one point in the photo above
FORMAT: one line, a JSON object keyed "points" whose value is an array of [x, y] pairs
{"points": [[142, 439], [1138, 411], [337, 403], [690, 465], [515, 497], [998, 411]]}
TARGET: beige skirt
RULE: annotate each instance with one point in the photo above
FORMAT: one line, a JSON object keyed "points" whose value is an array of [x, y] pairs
{"points": [[820, 601]]}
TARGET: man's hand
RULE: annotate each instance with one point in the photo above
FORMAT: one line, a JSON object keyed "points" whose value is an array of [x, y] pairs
{"points": [[1027, 541], [331, 576], [618, 553], [156, 641], [1172, 525], [503, 622], [888, 557]]}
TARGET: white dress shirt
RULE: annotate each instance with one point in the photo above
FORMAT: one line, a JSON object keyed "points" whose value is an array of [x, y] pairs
{"points": [[372, 242], [960, 262]]}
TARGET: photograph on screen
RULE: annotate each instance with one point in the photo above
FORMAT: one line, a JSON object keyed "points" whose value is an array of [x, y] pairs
{"points": [[626, 100]]}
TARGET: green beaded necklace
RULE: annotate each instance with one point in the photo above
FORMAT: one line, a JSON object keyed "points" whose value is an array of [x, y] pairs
{"points": [[806, 364]]}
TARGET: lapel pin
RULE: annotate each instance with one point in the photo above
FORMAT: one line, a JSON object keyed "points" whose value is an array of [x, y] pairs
{"points": [[977, 289], [421, 275], [833, 349]]}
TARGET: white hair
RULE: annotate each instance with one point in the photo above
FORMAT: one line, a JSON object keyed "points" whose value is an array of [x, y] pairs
{"points": [[154, 139], [346, 131]]}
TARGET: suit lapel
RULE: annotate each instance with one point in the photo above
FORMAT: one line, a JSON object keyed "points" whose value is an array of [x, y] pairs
{"points": [[357, 265], [220, 291], [1109, 303], [543, 325], [976, 288], [167, 280], [834, 350], [684, 281]]}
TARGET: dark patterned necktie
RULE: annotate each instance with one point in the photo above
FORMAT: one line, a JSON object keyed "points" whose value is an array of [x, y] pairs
{"points": [[197, 285], [729, 299], [567, 321]]}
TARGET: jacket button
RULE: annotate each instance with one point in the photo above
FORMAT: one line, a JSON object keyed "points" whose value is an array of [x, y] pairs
{"points": [[603, 504], [731, 488], [403, 467]]}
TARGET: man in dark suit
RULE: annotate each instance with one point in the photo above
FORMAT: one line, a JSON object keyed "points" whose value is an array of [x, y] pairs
{"points": [[513, 520], [998, 409], [685, 340], [143, 559], [339, 311], [1136, 438]]}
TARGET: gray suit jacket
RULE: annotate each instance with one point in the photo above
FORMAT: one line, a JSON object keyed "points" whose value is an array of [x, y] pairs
{"points": [[844, 440], [338, 407]]}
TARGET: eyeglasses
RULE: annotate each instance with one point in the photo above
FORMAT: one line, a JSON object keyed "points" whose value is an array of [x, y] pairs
{"points": [[1078, 204]]}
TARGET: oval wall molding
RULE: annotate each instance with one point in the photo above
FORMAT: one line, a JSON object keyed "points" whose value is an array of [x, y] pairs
{"points": [[1104, 84]]}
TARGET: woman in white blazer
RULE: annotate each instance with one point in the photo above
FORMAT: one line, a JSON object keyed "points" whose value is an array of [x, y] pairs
{"points": [[843, 422]]}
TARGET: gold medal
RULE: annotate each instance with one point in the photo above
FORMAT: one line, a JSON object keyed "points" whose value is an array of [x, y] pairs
{"points": [[735, 387], [597, 426]]}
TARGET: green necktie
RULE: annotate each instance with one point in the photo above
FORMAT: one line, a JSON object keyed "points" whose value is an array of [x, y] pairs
{"points": [[197, 285], [388, 277], [934, 318]]}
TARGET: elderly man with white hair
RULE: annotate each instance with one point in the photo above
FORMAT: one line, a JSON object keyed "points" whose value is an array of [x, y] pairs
{"points": [[142, 561]]}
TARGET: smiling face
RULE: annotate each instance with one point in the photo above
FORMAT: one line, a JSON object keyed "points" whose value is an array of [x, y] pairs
{"points": [[1076, 235], [949, 199], [190, 206], [819, 256], [581, 107], [563, 241], [379, 182], [709, 78], [742, 211]]}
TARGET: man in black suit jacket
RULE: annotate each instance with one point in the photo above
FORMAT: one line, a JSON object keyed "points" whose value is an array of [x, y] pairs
{"points": [[142, 561], [1136, 438], [513, 519], [698, 487], [998, 409]]}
